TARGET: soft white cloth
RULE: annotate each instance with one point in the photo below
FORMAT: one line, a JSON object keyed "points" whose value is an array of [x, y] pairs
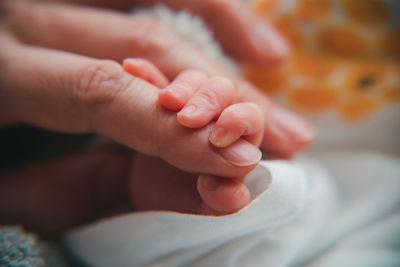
{"points": [[300, 218], [346, 213]]}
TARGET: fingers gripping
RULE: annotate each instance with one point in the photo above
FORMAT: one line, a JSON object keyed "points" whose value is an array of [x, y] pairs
{"points": [[177, 94], [145, 70], [242, 119], [207, 103], [221, 195]]}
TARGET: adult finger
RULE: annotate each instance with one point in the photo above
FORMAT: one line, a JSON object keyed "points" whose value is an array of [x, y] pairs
{"points": [[76, 94], [240, 30], [285, 133], [241, 153], [72, 93], [103, 34]]}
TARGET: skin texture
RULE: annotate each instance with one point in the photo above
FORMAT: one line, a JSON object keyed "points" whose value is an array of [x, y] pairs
{"points": [[212, 98], [168, 52], [60, 72], [216, 195], [168, 188], [50, 197]]}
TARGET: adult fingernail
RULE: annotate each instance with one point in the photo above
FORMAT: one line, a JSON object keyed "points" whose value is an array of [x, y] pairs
{"points": [[241, 154], [218, 136], [269, 41], [293, 126], [210, 183]]}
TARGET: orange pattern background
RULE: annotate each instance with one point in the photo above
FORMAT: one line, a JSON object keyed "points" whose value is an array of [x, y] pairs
{"points": [[345, 56]]}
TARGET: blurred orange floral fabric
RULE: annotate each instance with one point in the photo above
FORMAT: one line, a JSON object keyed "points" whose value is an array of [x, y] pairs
{"points": [[345, 56]]}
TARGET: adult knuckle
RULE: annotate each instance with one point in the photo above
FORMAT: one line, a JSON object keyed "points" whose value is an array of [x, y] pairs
{"points": [[149, 38], [97, 84], [98, 81]]}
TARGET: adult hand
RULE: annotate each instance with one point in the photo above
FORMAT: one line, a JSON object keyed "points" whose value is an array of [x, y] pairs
{"points": [[66, 91], [241, 32], [59, 70], [52, 196]]}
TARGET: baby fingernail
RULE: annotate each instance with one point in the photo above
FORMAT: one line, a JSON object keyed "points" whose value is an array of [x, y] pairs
{"points": [[188, 111], [210, 183], [242, 154], [217, 136], [293, 126]]}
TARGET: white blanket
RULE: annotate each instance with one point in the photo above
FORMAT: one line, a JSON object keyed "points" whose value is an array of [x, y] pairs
{"points": [[346, 213], [301, 214]]}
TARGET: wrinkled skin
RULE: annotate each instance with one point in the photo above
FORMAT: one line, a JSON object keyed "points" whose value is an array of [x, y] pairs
{"points": [[60, 70]]}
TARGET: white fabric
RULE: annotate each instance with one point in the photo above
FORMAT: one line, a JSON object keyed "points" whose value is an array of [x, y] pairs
{"points": [[300, 218], [346, 213], [380, 132]]}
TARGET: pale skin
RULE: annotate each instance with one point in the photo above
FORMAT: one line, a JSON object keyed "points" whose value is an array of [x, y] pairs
{"points": [[61, 70], [238, 128]]}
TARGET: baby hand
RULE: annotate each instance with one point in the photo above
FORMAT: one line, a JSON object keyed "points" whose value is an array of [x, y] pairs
{"points": [[235, 135], [200, 100], [239, 121], [192, 93]]}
